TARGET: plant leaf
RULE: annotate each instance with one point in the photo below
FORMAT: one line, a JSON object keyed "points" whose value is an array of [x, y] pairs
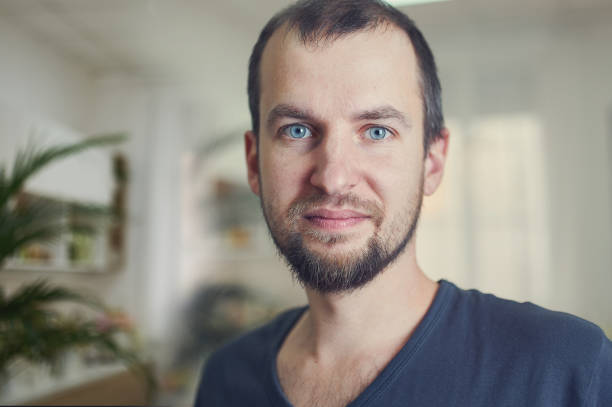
{"points": [[32, 159], [37, 294]]}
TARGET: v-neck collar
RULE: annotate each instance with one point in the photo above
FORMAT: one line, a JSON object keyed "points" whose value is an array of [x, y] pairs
{"points": [[386, 377]]}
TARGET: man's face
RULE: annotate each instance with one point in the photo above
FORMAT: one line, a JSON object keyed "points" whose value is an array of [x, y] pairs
{"points": [[339, 164]]}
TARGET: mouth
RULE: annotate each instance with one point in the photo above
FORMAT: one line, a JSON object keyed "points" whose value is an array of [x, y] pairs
{"points": [[331, 219]]}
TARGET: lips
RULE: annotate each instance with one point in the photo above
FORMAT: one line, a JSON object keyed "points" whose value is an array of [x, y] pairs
{"points": [[335, 219]]}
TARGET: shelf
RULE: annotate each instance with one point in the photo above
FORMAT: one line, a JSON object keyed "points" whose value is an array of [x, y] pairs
{"points": [[86, 240], [56, 269]]}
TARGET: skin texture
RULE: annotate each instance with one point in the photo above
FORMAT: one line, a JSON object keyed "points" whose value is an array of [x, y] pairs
{"points": [[339, 190]]}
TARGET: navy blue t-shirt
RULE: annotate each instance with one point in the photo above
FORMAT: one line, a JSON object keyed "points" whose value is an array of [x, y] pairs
{"points": [[470, 349]]}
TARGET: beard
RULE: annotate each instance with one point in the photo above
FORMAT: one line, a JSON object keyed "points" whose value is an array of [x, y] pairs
{"points": [[333, 273]]}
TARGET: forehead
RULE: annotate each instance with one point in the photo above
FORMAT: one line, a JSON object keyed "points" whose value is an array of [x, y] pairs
{"points": [[370, 67]]}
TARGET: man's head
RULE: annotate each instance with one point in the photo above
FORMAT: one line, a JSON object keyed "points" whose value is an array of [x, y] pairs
{"points": [[339, 153]]}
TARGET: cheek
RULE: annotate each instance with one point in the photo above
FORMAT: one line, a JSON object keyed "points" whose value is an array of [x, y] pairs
{"points": [[282, 178], [398, 178]]}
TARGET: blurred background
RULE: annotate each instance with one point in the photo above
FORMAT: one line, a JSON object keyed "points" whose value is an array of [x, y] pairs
{"points": [[184, 261]]}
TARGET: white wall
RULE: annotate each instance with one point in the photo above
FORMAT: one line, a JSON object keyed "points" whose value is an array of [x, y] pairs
{"points": [[44, 98], [157, 119], [35, 79], [558, 70]]}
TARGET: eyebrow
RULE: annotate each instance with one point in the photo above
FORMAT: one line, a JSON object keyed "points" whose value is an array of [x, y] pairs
{"points": [[288, 111], [383, 112]]}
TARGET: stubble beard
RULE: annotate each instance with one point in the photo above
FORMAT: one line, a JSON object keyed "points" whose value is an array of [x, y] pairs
{"points": [[354, 269]]}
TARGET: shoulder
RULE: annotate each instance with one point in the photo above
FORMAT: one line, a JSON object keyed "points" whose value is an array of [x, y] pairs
{"points": [[239, 368], [534, 347], [522, 328]]}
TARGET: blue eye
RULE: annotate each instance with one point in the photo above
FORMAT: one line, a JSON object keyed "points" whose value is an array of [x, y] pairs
{"points": [[377, 133], [297, 131]]}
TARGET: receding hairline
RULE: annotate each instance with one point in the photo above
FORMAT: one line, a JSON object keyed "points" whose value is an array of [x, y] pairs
{"points": [[325, 36]]}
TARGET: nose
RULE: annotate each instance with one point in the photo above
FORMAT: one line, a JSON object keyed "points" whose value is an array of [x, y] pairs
{"points": [[335, 167]]}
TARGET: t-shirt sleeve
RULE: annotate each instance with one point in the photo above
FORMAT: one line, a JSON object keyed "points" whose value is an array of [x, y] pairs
{"points": [[600, 389]]}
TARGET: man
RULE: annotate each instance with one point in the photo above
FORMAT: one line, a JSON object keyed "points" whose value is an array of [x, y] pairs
{"points": [[347, 138]]}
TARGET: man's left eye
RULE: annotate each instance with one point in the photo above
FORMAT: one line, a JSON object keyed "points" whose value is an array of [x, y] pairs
{"points": [[377, 133]]}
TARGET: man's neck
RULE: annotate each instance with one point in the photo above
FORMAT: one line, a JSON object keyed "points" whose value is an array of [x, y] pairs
{"points": [[379, 317]]}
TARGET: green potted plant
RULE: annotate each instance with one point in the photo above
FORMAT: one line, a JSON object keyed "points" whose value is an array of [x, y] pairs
{"points": [[31, 327]]}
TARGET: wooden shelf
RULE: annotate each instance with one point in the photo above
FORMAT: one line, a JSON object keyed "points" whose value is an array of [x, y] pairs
{"points": [[55, 269]]}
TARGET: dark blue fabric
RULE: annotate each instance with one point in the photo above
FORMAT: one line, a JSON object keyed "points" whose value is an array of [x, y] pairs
{"points": [[471, 349]]}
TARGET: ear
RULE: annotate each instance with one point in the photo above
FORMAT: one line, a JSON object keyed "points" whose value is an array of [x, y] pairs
{"points": [[250, 145], [434, 163]]}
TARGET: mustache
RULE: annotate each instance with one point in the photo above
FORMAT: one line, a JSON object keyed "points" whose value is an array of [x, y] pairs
{"points": [[347, 201]]}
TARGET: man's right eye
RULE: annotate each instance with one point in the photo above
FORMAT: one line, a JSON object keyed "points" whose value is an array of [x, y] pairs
{"points": [[297, 131]]}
